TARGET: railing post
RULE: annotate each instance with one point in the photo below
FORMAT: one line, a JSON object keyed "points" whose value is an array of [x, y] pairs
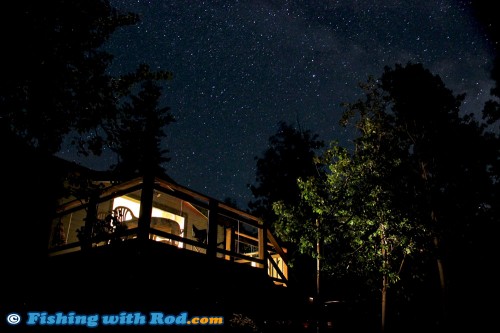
{"points": [[146, 206], [229, 242], [262, 246], [213, 207], [90, 222]]}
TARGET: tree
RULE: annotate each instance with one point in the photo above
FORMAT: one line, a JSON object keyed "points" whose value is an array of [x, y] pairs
{"points": [[414, 189], [137, 133], [487, 20], [54, 82], [54, 76], [449, 182], [363, 233], [484, 251], [290, 155]]}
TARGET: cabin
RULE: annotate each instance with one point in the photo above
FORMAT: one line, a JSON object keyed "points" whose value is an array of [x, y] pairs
{"points": [[170, 214], [150, 242]]}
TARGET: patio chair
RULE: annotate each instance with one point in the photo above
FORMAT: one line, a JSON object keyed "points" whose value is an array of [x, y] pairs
{"points": [[124, 214], [200, 234], [126, 219]]}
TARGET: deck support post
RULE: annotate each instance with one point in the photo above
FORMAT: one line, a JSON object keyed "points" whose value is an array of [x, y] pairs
{"points": [[146, 206], [213, 207], [229, 242]]}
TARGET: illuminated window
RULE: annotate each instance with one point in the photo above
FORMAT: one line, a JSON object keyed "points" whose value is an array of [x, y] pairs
{"points": [[135, 206]]}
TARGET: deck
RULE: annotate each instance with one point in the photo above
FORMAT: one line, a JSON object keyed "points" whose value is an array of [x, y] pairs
{"points": [[177, 220]]}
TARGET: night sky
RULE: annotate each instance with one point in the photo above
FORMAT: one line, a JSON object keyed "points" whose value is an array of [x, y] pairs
{"points": [[240, 67]]}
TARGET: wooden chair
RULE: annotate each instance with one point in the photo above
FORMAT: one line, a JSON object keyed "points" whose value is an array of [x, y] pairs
{"points": [[125, 218], [200, 234]]}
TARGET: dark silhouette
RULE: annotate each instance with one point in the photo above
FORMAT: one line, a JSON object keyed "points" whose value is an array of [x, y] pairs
{"points": [[136, 135], [485, 252], [53, 81], [290, 156], [54, 85], [200, 234]]}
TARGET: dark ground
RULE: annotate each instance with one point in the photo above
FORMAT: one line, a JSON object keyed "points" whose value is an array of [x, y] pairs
{"points": [[154, 277]]}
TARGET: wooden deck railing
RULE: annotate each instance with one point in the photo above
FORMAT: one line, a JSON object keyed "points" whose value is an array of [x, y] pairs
{"points": [[233, 235]]}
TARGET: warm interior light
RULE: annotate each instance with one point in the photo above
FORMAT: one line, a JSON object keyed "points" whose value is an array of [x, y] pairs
{"points": [[135, 207]]}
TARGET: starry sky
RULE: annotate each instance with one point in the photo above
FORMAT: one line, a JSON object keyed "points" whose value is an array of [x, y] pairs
{"points": [[240, 67]]}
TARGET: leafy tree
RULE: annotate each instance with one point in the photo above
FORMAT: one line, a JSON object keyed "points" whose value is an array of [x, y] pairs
{"points": [[362, 232], [413, 190]]}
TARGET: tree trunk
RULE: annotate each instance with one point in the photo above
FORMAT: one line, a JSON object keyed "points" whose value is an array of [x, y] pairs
{"points": [[442, 282], [437, 245], [384, 302], [385, 278], [318, 270], [318, 267]]}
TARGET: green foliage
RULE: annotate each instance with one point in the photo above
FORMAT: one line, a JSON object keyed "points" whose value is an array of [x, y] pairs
{"points": [[361, 233], [416, 189]]}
